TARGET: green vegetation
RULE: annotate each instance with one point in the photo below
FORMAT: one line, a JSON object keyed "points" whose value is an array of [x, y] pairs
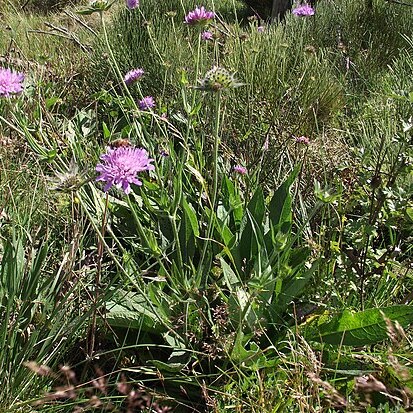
{"points": [[258, 261]]}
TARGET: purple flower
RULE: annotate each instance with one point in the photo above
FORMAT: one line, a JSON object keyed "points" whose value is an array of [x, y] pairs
{"points": [[120, 166], [304, 10], [148, 102], [207, 35], [132, 4], [242, 170], [199, 16], [303, 140], [260, 29], [10, 82], [133, 75]]}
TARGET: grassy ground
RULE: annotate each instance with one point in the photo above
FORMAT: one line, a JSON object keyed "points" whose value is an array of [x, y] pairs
{"points": [[287, 289]]}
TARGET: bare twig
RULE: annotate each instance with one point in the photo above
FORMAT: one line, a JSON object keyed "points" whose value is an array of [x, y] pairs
{"points": [[62, 32], [80, 21]]}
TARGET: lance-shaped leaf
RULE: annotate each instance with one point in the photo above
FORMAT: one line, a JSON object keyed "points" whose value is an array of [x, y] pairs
{"points": [[361, 328]]}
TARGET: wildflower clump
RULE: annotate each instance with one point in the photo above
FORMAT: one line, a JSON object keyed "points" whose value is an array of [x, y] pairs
{"points": [[304, 11], [199, 17], [133, 76], [11, 83], [120, 167]]}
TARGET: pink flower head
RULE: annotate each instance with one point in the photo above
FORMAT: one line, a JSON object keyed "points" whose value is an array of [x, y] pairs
{"points": [[121, 165], [207, 35], [242, 170], [148, 102], [11, 83], [199, 16], [303, 140], [304, 11], [260, 29], [132, 4], [133, 75]]}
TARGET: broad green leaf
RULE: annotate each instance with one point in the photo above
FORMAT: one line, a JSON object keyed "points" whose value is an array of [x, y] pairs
{"points": [[191, 216], [50, 102], [252, 228], [232, 201], [292, 288], [230, 277], [257, 206], [227, 237], [167, 367], [131, 310], [281, 204], [106, 131], [361, 328]]}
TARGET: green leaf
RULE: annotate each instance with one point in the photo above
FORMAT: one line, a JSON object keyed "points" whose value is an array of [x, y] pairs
{"points": [[281, 205], [106, 131], [252, 231], [230, 277], [131, 310], [292, 287], [167, 367], [232, 201], [191, 216], [50, 102], [257, 206], [361, 328]]}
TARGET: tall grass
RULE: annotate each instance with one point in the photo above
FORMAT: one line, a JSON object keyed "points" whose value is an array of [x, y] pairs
{"points": [[202, 279]]}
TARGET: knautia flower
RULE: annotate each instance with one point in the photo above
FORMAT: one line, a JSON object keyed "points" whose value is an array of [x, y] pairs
{"points": [[239, 169], [303, 140], [207, 35], [148, 102], [120, 167], [132, 4], [11, 83], [260, 29], [218, 79], [304, 11], [132, 76], [199, 16]]}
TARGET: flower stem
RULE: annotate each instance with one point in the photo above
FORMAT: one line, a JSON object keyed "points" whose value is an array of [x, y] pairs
{"points": [[213, 200], [92, 331]]}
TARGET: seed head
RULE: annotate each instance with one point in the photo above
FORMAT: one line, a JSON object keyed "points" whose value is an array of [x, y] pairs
{"points": [[218, 79]]}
